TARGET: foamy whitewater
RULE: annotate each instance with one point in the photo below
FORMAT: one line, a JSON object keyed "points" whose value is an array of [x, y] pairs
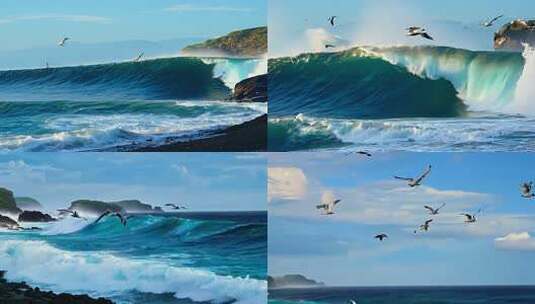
{"points": [[419, 98], [210, 258], [104, 106]]}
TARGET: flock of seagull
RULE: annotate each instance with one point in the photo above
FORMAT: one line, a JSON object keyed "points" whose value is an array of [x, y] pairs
{"points": [[526, 191], [121, 216], [413, 31]]}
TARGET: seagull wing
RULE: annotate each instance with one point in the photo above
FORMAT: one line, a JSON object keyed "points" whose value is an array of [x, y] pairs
{"points": [[410, 179], [121, 217], [428, 222], [170, 205], [102, 216], [429, 208], [424, 175], [496, 19], [323, 206], [442, 206], [426, 36], [65, 211], [336, 202]]}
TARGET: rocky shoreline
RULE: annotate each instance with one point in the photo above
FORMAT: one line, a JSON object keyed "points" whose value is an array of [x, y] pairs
{"points": [[22, 293]]}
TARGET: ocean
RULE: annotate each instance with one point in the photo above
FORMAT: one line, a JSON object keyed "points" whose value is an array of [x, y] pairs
{"points": [[404, 98], [405, 295], [210, 257], [104, 106]]}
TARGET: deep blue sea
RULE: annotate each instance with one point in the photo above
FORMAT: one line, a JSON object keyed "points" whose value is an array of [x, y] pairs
{"points": [[406, 295], [159, 258]]}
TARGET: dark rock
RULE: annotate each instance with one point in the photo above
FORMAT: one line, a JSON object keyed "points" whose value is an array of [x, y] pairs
{"points": [[24, 294], [35, 216], [252, 89], [513, 35], [9, 223], [292, 281]]}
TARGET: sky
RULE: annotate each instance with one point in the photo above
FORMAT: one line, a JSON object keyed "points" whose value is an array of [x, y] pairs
{"points": [[202, 181], [301, 26], [45, 22], [340, 250]]}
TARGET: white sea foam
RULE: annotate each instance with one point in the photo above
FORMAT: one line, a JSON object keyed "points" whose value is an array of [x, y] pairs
{"points": [[102, 274]]}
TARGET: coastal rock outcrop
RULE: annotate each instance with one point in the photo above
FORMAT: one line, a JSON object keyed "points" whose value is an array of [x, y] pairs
{"points": [[513, 35], [95, 208], [8, 223], [35, 217], [252, 89], [8, 205]]}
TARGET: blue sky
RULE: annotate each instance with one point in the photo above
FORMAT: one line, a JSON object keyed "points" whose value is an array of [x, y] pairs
{"points": [[452, 23], [203, 181], [44, 22], [340, 249]]}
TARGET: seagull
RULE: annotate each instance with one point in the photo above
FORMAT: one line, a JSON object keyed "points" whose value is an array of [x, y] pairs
{"points": [[365, 153], [424, 227], [332, 20], [138, 58], [381, 237], [329, 207], [491, 22], [109, 212], [62, 42], [330, 46], [433, 211], [527, 190], [71, 212], [414, 182], [471, 218], [418, 31], [175, 207]]}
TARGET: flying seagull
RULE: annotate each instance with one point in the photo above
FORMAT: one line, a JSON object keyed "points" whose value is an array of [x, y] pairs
{"points": [[381, 237], [175, 206], [365, 153], [332, 20], [329, 207], [424, 226], [327, 46], [433, 211], [62, 42], [418, 31], [491, 22], [527, 190], [71, 212], [109, 212], [471, 218], [414, 182], [138, 58]]}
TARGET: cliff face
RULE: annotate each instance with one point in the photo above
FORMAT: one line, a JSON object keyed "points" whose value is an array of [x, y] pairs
{"points": [[7, 202], [244, 43], [253, 89], [513, 35]]}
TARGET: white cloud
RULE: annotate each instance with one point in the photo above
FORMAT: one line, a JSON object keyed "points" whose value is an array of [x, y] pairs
{"points": [[287, 183], [516, 241], [20, 170], [183, 170], [57, 17], [200, 8]]}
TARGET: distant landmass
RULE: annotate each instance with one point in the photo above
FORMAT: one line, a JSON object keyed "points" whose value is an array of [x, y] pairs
{"points": [[95, 208], [292, 281], [243, 43], [28, 203]]}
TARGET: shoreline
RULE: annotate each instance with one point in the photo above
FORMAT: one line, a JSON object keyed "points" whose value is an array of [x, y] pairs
{"points": [[20, 292], [250, 136]]}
